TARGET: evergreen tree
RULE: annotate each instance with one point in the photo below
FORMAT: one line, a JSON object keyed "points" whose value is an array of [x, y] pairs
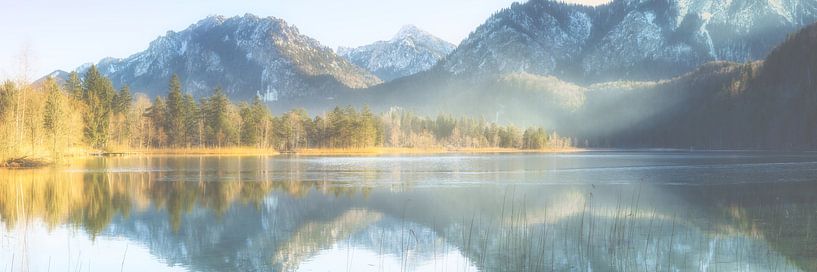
{"points": [[444, 127], [248, 128], [122, 100], [339, 127], [509, 137], [192, 121], [157, 115], [253, 123], [121, 117], [98, 94], [535, 138], [175, 122], [74, 85], [370, 133], [216, 112]]}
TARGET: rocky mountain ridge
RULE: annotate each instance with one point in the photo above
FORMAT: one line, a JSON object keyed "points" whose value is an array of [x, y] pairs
{"points": [[410, 51]]}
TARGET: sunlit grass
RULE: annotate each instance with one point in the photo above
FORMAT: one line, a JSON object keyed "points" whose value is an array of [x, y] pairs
{"points": [[238, 151], [422, 150]]}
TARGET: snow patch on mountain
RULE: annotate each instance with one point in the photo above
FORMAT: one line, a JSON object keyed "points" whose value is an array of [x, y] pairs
{"points": [[410, 51], [245, 55], [626, 39]]}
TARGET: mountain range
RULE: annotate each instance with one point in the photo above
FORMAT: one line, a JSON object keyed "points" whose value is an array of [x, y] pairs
{"points": [[244, 55], [644, 73], [249, 56], [626, 39]]}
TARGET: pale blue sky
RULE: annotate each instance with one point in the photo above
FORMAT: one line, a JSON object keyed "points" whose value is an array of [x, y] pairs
{"points": [[66, 34]]}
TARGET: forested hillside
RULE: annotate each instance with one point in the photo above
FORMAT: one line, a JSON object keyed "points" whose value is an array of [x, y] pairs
{"points": [[769, 104], [87, 113]]}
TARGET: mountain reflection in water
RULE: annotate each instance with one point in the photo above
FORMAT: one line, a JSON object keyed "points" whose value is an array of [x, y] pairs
{"points": [[601, 211]]}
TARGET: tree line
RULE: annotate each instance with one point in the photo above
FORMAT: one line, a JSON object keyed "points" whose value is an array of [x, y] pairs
{"points": [[87, 111]]}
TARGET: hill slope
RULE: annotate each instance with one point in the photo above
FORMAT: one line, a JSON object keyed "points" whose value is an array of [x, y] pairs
{"points": [[769, 104]]}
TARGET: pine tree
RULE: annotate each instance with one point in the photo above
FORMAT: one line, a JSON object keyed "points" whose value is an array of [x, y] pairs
{"points": [[122, 100], [369, 128], [253, 123], [192, 117], [338, 128], [121, 117], [74, 85], [174, 125], [157, 115], [218, 128], [98, 94]]}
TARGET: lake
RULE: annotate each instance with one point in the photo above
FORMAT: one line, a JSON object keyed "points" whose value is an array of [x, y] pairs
{"points": [[599, 211]]}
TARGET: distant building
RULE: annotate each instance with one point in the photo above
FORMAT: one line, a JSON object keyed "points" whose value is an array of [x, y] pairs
{"points": [[270, 95]]}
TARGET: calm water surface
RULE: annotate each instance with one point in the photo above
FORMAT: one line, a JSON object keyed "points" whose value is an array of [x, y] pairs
{"points": [[599, 211]]}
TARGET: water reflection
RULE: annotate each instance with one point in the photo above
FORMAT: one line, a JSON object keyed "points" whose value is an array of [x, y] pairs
{"points": [[595, 211]]}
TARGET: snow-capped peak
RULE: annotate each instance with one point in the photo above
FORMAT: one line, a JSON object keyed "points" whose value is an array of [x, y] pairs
{"points": [[408, 31], [410, 51]]}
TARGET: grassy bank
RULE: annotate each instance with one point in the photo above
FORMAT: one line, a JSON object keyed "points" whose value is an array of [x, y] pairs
{"points": [[43, 161], [425, 150], [227, 151], [244, 151], [241, 151]]}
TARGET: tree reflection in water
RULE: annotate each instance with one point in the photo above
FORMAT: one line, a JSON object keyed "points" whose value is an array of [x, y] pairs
{"points": [[257, 213]]}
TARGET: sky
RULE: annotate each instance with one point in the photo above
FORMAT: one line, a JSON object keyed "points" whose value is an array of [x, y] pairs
{"points": [[65, 34]]}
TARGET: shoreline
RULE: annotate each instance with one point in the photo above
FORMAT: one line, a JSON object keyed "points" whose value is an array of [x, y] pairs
{"points": [[423, 151], [231, 151], [24, 162], [34, 162], [332, 151], [37, 162]]}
